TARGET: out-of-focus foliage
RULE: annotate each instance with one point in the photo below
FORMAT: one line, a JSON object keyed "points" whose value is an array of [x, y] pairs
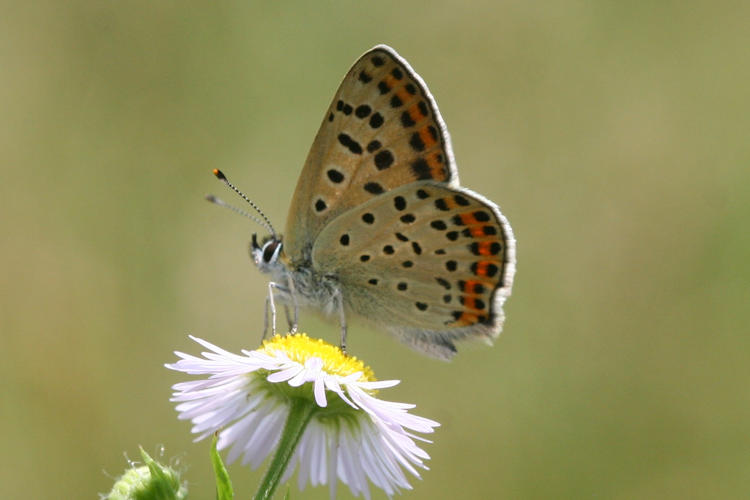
{"points": [[612, 134]]}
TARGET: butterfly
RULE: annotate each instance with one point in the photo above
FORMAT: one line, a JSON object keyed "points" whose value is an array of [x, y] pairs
{"points": [[379, 226]]}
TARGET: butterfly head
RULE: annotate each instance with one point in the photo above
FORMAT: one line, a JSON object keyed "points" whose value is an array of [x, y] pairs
{"points": [[266, 253]]}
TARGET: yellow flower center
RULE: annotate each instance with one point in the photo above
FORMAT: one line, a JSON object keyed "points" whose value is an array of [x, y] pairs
{"points": [[299, 347]]}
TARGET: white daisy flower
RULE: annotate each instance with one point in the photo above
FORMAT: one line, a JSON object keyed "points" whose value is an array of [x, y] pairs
{"points": [[322, 402]]}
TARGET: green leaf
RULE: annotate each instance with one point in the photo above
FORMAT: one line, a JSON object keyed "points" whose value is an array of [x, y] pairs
{"points": [[223, 483]]}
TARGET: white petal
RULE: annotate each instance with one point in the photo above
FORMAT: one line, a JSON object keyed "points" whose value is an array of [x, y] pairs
{"points": [[284, 375], [319, 390]]}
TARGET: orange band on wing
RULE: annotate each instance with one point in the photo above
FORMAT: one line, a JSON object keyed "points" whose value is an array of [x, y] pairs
{"points": [[390, 81], [473, 287], [477, 231], [405, 96], [485, 268], [485, 248], [425, 135], [469, 219]]}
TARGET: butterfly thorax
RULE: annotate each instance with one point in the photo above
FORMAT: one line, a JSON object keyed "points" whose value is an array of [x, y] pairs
{"points": [[297, 276]]}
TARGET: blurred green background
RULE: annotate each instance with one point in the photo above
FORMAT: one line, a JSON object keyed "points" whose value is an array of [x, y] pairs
{"points": [[614, 135]]}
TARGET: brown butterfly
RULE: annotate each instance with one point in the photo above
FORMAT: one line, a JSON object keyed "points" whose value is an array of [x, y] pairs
{"points": [[380, 227]]}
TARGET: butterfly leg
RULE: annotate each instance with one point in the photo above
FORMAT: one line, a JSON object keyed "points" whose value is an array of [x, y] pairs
{"points": [[293, 325], [272, 305], [339, 299], [265, 320]]}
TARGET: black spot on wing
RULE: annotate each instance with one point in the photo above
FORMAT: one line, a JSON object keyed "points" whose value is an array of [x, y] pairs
{"points": [[362, 111], [335, 176], [376, 120], [421, 169], [349, 143], [364, 77], [374, 188], [383, 159]]}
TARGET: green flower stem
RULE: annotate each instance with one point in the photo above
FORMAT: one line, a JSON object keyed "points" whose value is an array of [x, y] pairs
{"points": [[300, 413]]}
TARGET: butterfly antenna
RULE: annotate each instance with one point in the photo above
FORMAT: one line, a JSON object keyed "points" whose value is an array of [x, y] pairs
{"points": [[223, 178], [218, 201]]}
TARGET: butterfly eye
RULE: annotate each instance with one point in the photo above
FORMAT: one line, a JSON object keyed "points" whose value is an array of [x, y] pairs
{"points": [[271, 250]]}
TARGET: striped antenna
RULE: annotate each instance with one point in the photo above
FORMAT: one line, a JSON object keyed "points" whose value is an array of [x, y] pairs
{"points": [[213, 199]]}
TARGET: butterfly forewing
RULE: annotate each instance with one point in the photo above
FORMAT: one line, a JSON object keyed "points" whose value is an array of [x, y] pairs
{"points": [[427, 260], [382, 130]]}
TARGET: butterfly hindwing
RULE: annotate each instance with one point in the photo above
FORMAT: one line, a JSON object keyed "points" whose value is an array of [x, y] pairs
{"points": [[431, 262], [381, 131]]}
